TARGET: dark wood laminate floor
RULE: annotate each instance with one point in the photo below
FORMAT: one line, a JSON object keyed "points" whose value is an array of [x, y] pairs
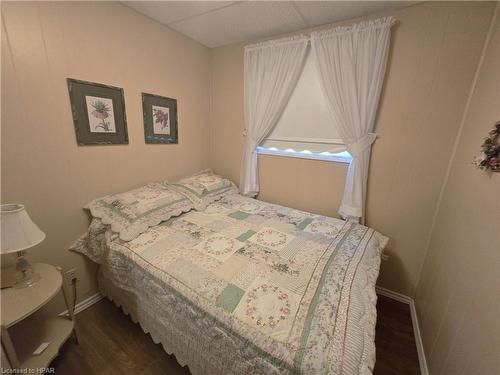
{"points": [[111, 344], [394, 339]]}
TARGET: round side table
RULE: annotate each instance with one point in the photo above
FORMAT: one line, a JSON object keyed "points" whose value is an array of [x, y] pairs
{"points": [[23, 331]]}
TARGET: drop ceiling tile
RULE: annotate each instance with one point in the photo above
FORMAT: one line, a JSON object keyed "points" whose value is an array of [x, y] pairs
{"points": [[242, 22], [322, 12], [171, 11]]}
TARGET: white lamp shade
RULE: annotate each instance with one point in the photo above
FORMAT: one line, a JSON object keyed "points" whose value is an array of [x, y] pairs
{"points": [[19, 232]]}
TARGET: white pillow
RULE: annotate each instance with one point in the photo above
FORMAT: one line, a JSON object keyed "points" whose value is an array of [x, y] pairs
{"points": [[134, 211], [204, 188]]}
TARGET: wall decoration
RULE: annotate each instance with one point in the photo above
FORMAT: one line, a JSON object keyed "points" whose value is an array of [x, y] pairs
{"points": [[489, 159], [98, 113], [160, 119], [101, 116]]}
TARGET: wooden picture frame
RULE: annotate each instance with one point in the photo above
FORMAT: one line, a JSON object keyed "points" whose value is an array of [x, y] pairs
{"points": [[98, 113], [160, 119]]}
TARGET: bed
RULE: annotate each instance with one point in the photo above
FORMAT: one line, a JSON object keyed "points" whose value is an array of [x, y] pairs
{"points": [[234, 285]]}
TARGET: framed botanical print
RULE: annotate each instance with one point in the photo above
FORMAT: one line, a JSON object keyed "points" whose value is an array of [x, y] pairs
{"points": [[160, 119], [98, 113]]}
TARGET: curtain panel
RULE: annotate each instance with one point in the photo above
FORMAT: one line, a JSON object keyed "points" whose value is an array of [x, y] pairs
{"points": [[351, 63], [271, 71]]}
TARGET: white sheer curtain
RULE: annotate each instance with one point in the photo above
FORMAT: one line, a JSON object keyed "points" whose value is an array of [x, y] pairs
{"points": [[271, 73], [351, 63]]}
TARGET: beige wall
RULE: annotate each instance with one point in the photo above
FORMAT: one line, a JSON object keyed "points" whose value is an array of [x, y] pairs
{"points": [[435, 49], [42, 166], [457, 297]]}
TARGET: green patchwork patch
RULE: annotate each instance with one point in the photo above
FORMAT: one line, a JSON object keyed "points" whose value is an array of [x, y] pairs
{"points": [[304, 223], [239, 215], [230, 297], [245, 236]]}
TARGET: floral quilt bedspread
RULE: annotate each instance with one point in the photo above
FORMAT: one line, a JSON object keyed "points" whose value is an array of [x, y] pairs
{"points": [[297, 287]]}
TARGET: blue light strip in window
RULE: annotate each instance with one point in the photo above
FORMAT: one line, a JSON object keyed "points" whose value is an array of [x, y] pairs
{"points": [[340, 157]]}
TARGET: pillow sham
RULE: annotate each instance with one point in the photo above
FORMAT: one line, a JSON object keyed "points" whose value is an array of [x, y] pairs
{"points": [[204, 188], [133, 212], [204, 181]]}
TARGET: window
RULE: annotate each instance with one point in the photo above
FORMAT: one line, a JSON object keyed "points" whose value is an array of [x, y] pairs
{"points": [[305, 127]]}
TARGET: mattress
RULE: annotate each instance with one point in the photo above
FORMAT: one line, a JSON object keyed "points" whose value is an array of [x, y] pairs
{"points": [[248, 287]]}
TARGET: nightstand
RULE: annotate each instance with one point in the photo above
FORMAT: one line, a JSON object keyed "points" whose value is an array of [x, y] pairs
{"points": [[23, 331]]}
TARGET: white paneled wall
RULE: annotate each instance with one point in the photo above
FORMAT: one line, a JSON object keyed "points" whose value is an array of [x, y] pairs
{"points": [[458, 300]]}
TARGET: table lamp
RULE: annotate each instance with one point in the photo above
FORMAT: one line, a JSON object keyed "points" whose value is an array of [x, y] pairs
{"points": [[18, 234]]}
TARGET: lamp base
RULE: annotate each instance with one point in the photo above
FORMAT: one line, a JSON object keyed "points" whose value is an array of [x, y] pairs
{"points": [[28, 282], [25, 277]]}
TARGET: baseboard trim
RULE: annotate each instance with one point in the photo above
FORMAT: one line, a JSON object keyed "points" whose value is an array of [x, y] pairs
{"points": [[393, 295], [414, 321], [85, 304], [424, 370]]}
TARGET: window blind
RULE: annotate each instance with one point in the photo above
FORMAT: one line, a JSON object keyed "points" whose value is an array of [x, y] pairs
{"points": [[305, 123]]}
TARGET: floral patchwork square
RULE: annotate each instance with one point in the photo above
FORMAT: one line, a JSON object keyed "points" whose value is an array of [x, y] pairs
{"points": [[250, 206], [291, 278], [271, 238], [269, 308], [219, 246], [329, 228]]}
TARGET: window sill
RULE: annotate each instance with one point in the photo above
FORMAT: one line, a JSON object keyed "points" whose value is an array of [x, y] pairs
{"points": [[340, 157]]}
